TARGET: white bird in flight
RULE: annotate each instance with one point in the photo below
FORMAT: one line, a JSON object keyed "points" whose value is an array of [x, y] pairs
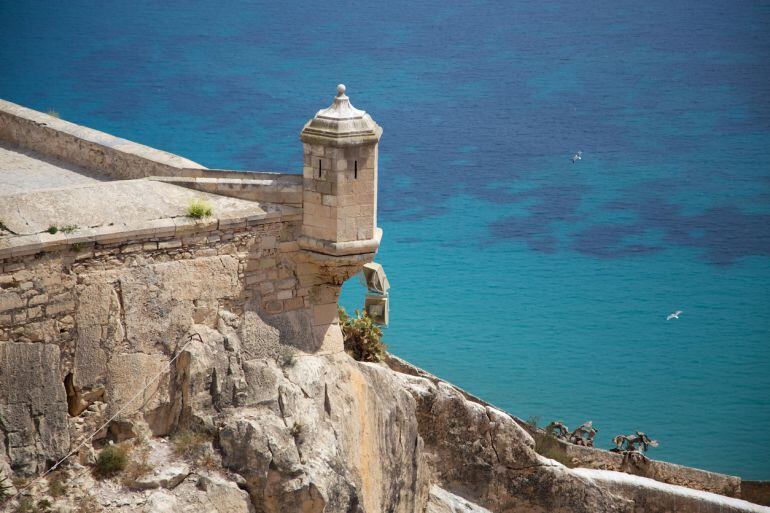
{"points": [[674, 315], [577, 156]]}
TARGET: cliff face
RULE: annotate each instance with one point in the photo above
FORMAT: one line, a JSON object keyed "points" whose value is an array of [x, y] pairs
{"points": [[294, 423]]}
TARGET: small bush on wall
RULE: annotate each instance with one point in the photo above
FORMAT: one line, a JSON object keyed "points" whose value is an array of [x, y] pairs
{"points": [[198, 209], [363, 338]]}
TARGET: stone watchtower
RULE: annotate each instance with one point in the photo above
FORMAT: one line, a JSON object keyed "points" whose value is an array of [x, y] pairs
{"points": [[340, 181]]}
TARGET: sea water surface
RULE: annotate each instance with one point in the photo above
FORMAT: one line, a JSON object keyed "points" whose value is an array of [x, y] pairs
{"points": [[538, 284]]}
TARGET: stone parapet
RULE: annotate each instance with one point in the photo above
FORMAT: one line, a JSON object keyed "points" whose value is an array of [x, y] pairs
{"points": [[253, 186], [670, 473], [757, 492], [92, 149], [137, 232]]}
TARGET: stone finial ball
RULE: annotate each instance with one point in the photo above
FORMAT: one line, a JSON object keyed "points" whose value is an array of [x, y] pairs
{"points": [[340, 89]]}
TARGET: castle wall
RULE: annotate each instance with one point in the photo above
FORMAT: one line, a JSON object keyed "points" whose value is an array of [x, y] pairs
{"points": [[110, 314], [600, 459], [92, 149], [340, 192]]}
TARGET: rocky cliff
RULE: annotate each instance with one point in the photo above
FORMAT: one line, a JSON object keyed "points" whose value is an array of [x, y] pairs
{"points": [[325, 434]]}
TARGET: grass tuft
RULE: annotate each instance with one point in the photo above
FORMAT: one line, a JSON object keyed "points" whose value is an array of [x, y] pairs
{"points": [[52, 229], [53, 113], [89, 504], [112, 460], [57, 487], [190, 444], [139, 465], [198, 209]]}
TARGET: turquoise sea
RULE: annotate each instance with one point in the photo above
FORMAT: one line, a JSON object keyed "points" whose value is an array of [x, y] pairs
{"points": [[538, 284]]}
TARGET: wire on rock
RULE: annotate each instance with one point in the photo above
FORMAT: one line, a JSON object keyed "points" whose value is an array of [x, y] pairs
{"points": [[114, 416]]}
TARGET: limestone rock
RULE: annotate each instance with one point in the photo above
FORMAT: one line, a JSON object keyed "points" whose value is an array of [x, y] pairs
{"points": [[33, 406], [161, 502], [341, 437], [653, 496], [441, 501], [482, 454], [168, 476]]}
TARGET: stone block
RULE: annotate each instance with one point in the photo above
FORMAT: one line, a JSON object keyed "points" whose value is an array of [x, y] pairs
{"points": [[268, 242], [293, 303], [325, 314], [10, 300], [328, 339], [37, 432], [57, 308], [170, 244]]}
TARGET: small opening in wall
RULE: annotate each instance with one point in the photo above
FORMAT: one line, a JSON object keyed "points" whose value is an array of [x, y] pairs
{"points": [[319, 168], [355, 169]]}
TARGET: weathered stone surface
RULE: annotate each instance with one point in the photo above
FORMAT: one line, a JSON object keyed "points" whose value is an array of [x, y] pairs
{"points": [[481, 454], [659, 470], [33, 212], [161, 502], [158, 299], [167, 476], [33, 406], [441, 501], [652, 496], [219, 495], [342, 438]]}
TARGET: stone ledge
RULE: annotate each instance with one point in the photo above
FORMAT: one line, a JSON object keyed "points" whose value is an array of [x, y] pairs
{"points": [[257, 186], [355, 247], [24, 245]]}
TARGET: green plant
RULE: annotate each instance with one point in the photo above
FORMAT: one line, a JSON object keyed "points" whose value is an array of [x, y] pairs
{"points": [[27, 505], [363, 338], [77, 247], [52, 113], [199, 208], [56, 484], [297, 429], [190, 444], [52, 229], [68, 228], [111, 460]]}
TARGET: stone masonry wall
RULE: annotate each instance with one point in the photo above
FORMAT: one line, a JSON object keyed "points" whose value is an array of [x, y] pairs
{"points": [[105, 153], [340, 193], [108, 315], [594, 458]]}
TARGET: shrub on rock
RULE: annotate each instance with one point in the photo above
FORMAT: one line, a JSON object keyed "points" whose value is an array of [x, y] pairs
{"points": [[363, 338]]}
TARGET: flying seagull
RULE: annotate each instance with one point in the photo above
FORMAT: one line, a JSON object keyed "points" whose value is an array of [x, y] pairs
{"points": [[674, 315], [577, 156]]}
